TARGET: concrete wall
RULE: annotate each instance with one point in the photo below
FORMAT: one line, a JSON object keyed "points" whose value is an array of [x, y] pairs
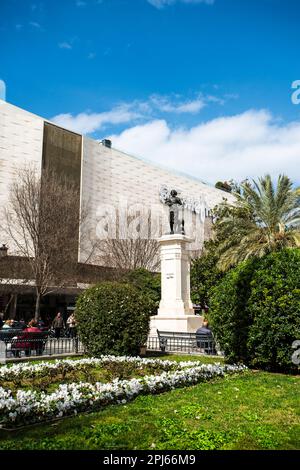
{"points": [[21, 142]]}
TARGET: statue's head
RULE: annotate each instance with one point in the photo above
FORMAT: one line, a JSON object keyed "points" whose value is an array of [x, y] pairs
{"points": [[173, 193]]}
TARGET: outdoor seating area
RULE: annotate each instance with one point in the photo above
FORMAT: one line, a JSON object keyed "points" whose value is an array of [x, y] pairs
{"points": [[29, 343], [37, 344], [168, 341]]}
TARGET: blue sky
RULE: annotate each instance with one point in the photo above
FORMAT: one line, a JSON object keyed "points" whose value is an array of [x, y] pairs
{"points": [[165, 73]]}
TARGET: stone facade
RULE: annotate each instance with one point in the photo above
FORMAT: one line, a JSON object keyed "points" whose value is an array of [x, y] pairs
{"points": [[21, 141]]}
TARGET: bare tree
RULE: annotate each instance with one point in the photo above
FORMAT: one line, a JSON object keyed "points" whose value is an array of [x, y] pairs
{"points": [[42, 221], [133, 247]]}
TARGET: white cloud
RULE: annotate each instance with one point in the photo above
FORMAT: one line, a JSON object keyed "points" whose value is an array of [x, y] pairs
{"points": [[34, 24], [245, 145], [2, 90], [87, 123], [155, 105], [65, 45], [168, 105], [163, 3]]}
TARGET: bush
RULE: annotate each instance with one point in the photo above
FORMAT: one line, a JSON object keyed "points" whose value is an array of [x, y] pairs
{"points": [[274, 305], [204, 276], [228, 315], [146, 282], [255, 311], [113, 318]]}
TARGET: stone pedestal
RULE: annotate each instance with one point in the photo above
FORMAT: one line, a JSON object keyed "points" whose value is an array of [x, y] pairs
{"points": [[175, 311], [2, 352]]}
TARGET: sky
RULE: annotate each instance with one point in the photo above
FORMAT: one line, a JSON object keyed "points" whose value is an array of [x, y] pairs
{"points": [[207, 87]]}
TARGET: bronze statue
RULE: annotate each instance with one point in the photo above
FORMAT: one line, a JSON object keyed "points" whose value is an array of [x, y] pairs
{"points": [[173, 201]]}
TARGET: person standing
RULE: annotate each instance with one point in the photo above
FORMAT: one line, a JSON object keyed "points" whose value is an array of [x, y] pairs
{"points": [[58, 324], [71, 323]]}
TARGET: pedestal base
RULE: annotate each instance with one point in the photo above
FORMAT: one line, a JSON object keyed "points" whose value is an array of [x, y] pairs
{"points": [[2, 352], [183, 323]]}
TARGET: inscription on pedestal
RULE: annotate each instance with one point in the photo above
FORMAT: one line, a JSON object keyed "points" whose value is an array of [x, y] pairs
{"points": [[170, 275]]}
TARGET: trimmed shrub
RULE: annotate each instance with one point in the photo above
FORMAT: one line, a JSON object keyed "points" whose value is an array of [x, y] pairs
{"points": [[113, 318], [146, 282], [274, 305], [255, 311], [228, 315], [204, 276]]}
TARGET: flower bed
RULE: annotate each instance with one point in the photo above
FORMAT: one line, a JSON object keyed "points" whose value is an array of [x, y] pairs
{"points": [[28, 407], [29, 370]]}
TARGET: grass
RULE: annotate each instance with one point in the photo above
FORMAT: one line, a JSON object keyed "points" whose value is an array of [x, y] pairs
{"points": [[255, 410], [190, 357]]}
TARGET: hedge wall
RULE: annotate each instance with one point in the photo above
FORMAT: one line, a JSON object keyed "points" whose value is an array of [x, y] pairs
{"points": [[255, 311]]}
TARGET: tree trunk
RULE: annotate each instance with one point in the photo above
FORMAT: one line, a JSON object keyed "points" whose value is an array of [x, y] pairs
{"points": [[37, 306], [13, 306]]}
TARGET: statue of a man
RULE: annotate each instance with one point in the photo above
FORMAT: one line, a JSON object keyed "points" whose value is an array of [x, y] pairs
{"points": [[173, 201]]}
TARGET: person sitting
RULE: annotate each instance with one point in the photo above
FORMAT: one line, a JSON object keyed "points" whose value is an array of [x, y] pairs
{"points": [[17, 325], [22, 324], [7, 324], [26, 343], [41, 324], [205, 339]]}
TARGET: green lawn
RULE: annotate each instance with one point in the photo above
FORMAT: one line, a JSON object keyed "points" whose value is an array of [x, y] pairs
{"points": [[255, 410], [190, 357]]}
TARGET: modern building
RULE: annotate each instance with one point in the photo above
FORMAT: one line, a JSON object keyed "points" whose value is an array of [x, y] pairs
{"points": [[120, 192]]}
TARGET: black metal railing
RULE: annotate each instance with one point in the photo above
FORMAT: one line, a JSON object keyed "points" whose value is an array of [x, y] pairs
{"points": [[187, 343], [42, 345]]}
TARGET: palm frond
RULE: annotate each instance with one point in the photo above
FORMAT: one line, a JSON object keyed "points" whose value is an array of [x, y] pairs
{"points": [[264, 218]]}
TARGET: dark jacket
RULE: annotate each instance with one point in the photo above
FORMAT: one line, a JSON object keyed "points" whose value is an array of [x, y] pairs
{"points": [[205, 340], [204, 332], [58, 322]]}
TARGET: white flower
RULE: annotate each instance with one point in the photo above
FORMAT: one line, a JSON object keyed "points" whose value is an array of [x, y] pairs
{"points": [[30, 406]]}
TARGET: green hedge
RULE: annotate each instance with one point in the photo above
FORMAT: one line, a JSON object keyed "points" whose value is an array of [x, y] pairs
{"points": [[255, 311], [146, 282], [113, 318], [204, 276]]}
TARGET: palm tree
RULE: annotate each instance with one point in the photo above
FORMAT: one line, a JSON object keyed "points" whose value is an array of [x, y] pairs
{"points": [[264, 218]]}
